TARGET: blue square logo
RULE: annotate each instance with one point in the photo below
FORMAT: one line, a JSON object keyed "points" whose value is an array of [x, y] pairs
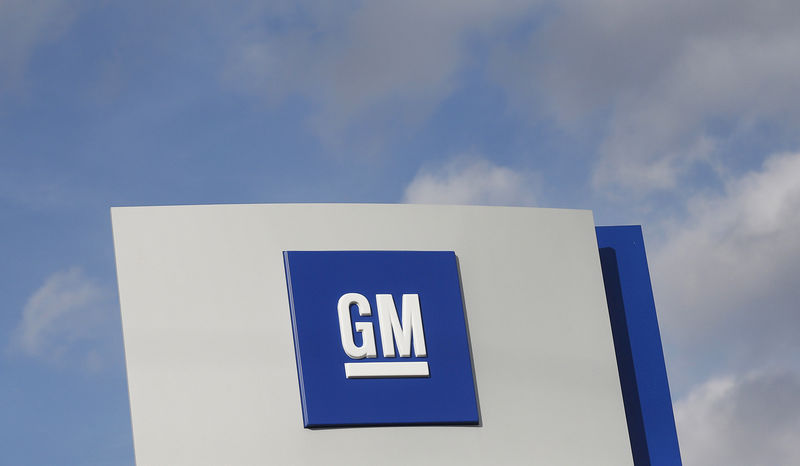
{"points": [[380, 338]]}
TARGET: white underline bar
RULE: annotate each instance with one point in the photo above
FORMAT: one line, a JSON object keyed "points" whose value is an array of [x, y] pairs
{"points": [[364, 370]]}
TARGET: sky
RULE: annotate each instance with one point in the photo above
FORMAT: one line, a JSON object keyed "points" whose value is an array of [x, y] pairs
{"points": [[680, 116]]}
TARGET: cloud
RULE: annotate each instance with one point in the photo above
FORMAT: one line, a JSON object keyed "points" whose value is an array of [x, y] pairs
{"points": [[64, 320], [368, 63], [465, 180], [24, 26], [752, 420], [667, 83], [726, 277]]}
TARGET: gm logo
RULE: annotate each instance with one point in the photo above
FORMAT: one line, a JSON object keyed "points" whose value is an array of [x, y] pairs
{"points": [[380, 338], [391, 327]]}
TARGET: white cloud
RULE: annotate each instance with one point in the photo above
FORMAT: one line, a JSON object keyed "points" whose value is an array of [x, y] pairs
{"points": [[671, 81], [748, 421], [726, 277], [466, 180], [25, 25], [64, 320]]}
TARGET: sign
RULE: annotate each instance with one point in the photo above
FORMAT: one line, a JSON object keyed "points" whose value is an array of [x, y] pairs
{"points": [[380, 338], [235, 343]]}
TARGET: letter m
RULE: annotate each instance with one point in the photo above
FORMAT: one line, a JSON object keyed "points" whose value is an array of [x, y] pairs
{"points": [[392, 330]]}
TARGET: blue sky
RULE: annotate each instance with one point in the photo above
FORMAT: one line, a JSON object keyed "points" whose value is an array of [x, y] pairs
{"points": [[680, 116]]}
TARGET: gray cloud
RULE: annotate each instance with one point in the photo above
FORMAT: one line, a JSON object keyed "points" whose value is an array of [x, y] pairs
{"points": [[386, 61], [660, 75], [668, 84], [726, 277], [25, 25], [749, 421]]}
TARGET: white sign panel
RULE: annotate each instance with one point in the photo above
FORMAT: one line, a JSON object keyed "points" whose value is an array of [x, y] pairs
{"points": [[246, 340]]}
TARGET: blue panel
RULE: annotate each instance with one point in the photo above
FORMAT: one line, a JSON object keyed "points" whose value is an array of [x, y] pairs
{"points": [[318, 279], [637, 342]]}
